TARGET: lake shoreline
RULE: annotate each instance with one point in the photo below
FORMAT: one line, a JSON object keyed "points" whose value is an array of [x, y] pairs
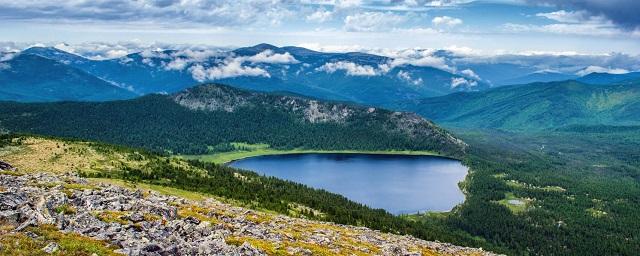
{"points": [[229, 157]]}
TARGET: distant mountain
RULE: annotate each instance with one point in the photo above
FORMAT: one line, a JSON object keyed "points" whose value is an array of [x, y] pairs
{"points": [[206, 116], [606, 78], [33, 78], [358, 77], [540, 76], [535, 106]]}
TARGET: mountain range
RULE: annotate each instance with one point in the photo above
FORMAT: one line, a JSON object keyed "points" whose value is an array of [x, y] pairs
{"points": [[535, 107], [38, 74], [30, 77]]}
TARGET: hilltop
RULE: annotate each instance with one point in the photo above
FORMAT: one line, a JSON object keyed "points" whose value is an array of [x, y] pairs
{"points": [[208, 118]]}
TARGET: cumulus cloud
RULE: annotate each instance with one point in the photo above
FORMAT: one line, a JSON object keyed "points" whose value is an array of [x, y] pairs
{"points": [[320, 16], [223, 13], [446, 21], [416, 57], [470, 74], [268, 56], [598, 69], [352, 69], [372, 21], [177, 64], [182, 59], [228, 69], [405, 76], [459, 82]]}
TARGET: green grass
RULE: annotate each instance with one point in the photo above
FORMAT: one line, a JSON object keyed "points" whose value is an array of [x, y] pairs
{"points": [[516, 208], [263, 150]]}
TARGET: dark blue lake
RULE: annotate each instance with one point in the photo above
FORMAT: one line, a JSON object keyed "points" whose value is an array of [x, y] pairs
{"points": [[396, 183]]}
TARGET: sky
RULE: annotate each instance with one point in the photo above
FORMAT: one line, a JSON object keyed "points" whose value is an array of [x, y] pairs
{"points": [[489, 27]]}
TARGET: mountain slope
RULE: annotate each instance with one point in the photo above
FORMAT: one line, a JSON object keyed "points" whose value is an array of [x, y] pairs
{"points": [[606, 78], [33, 78], [543, 76], [535, 106], [207, 116]]}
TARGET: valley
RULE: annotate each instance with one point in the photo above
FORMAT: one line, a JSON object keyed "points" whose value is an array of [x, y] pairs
{"points": [[549, 161]]}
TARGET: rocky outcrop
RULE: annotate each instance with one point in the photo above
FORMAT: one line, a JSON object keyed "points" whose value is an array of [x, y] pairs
{"points": [[147, 223]]}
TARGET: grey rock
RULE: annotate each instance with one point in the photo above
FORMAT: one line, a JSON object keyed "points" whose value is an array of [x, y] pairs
{"points": [[51, 248], [136, 217], [11, 217]]}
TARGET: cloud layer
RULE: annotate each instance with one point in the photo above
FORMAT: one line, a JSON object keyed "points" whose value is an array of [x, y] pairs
{"points": [[621, 12]]}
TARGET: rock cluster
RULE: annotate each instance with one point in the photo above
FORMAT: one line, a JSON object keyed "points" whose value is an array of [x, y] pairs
{"points": [[147, 223]]}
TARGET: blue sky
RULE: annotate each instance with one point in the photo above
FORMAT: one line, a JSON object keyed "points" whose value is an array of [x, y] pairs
{"points": [[507, 26]]}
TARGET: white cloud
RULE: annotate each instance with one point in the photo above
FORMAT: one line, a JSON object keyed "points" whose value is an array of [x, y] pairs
{"points": [[4, 66], [584, 29], [573, 23], [332, 48], [419, 58], [269, 56], [598, 69], [229, 69], [113, 54], [372, 21], [403, 75], [445, 3], [470, 74], [65, 47], [320, 16], [347, 3], [351, 68], [182, 59], [6, 56], [221, 13], [446, 21], [571, 16], [462, 82], [158, 54], [177, 64]]}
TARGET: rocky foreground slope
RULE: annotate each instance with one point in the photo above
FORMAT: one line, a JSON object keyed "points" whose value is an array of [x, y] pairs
{"points": [[145, 222]]}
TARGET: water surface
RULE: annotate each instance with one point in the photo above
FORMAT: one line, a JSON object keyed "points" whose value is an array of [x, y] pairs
{"points": [[396, 183]]}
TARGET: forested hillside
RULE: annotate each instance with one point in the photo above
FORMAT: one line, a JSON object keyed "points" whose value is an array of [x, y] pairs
{"points": [[535, 106], [209, 116]]}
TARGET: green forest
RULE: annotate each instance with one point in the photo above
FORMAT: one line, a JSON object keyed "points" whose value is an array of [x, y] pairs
{"points": [[575, 204], [158, 124]]}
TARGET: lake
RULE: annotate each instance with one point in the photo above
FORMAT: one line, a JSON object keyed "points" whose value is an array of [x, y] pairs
{"points": [[396, 183]]}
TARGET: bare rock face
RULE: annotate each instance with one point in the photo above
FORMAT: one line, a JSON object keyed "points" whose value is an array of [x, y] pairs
{"points": [[153, 224]]}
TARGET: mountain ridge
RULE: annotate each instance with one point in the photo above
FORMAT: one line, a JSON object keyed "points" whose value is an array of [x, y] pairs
{"points": [[363, 78], [32, 77], [534, 107], [209, 115]]}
